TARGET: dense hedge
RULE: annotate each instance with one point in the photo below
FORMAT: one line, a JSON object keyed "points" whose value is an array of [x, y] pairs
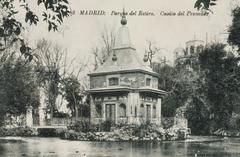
{"points": [[18, 131]]}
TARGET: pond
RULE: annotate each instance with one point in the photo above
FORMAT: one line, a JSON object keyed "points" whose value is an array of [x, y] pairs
{"points": [[54, 147]]}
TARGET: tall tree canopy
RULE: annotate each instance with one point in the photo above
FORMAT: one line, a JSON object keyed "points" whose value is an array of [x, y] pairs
{"points": [[222, 79], [234, 29], [209, 91], [18, 86], [72, 93]]}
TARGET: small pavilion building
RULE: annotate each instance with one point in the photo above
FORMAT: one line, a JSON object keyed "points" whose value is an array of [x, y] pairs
{"points": [[125, 89]]}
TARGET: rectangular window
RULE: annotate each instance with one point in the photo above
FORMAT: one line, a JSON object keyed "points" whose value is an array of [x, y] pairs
{"points": [[135, 112], [99, 110], [154, 111], [148, 82], [113, 81]]}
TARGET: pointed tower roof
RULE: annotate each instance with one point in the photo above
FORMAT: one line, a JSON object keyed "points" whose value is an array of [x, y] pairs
{"points": [[124, 56], [123, 39]]}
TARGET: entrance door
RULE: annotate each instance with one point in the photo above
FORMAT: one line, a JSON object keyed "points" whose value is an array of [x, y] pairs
{"points": [[148, 113], [110, 112]]}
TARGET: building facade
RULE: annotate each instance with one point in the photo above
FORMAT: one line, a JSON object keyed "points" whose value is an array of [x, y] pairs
{"points": [[125, 89], [185, 56]]}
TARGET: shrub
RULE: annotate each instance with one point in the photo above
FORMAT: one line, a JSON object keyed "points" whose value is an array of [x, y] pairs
{"points": [[17, 131], [80, 126]]}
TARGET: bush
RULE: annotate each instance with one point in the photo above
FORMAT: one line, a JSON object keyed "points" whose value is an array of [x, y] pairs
{"points": [[238, 123], [18, 131], [58, 114], [80, 126], [107, 125], [47, 132]]}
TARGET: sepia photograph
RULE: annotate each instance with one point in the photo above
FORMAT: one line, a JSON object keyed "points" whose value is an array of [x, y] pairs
{"points": [[139, 78]]}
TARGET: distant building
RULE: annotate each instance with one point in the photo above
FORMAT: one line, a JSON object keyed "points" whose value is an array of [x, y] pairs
{"points": [[124, 89], [184, 56]]}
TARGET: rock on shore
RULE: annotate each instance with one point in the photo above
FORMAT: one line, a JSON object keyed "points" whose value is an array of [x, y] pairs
{"points": [[128, 133], [227, 133]]}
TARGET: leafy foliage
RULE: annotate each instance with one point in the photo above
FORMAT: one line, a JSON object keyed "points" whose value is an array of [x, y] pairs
{"points": [[234, 29], [72, 93], [208, 91], [18, 87], [11, 29], [204, 4], [222, 79]]}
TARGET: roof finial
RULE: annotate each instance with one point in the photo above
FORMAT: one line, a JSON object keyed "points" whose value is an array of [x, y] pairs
{"points": [[123, 20]]}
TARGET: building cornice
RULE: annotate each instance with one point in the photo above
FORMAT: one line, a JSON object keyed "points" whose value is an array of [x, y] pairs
{"points": [[127, 89], [124, 71], [158, 91], [126, 47]]}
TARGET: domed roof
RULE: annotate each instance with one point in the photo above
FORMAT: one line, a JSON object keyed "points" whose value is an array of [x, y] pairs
{"points": [[194, 42]]}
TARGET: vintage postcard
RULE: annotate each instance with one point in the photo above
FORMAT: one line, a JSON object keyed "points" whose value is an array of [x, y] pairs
{"points": [[157, 78]]}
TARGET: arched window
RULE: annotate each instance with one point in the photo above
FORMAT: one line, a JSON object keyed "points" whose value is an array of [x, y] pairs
{"points": [[154, 111], [191, 49], [122, 110], [113, 81]]}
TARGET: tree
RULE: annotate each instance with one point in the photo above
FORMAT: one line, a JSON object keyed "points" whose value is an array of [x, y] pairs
{"points": [[234, 29], [72, 93], [222, 79], [51, 68], [11, 28], [166, 72], [102, 52], [18, 86], [209, 92], [204, 4], [183, 84], [149, 54], [58, 78]]}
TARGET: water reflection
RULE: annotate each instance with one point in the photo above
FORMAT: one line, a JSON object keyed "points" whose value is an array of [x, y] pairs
{"points": [[54, 147]]}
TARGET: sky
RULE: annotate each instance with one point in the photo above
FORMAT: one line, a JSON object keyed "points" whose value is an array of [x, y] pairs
{"points": [[80, 33]]}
